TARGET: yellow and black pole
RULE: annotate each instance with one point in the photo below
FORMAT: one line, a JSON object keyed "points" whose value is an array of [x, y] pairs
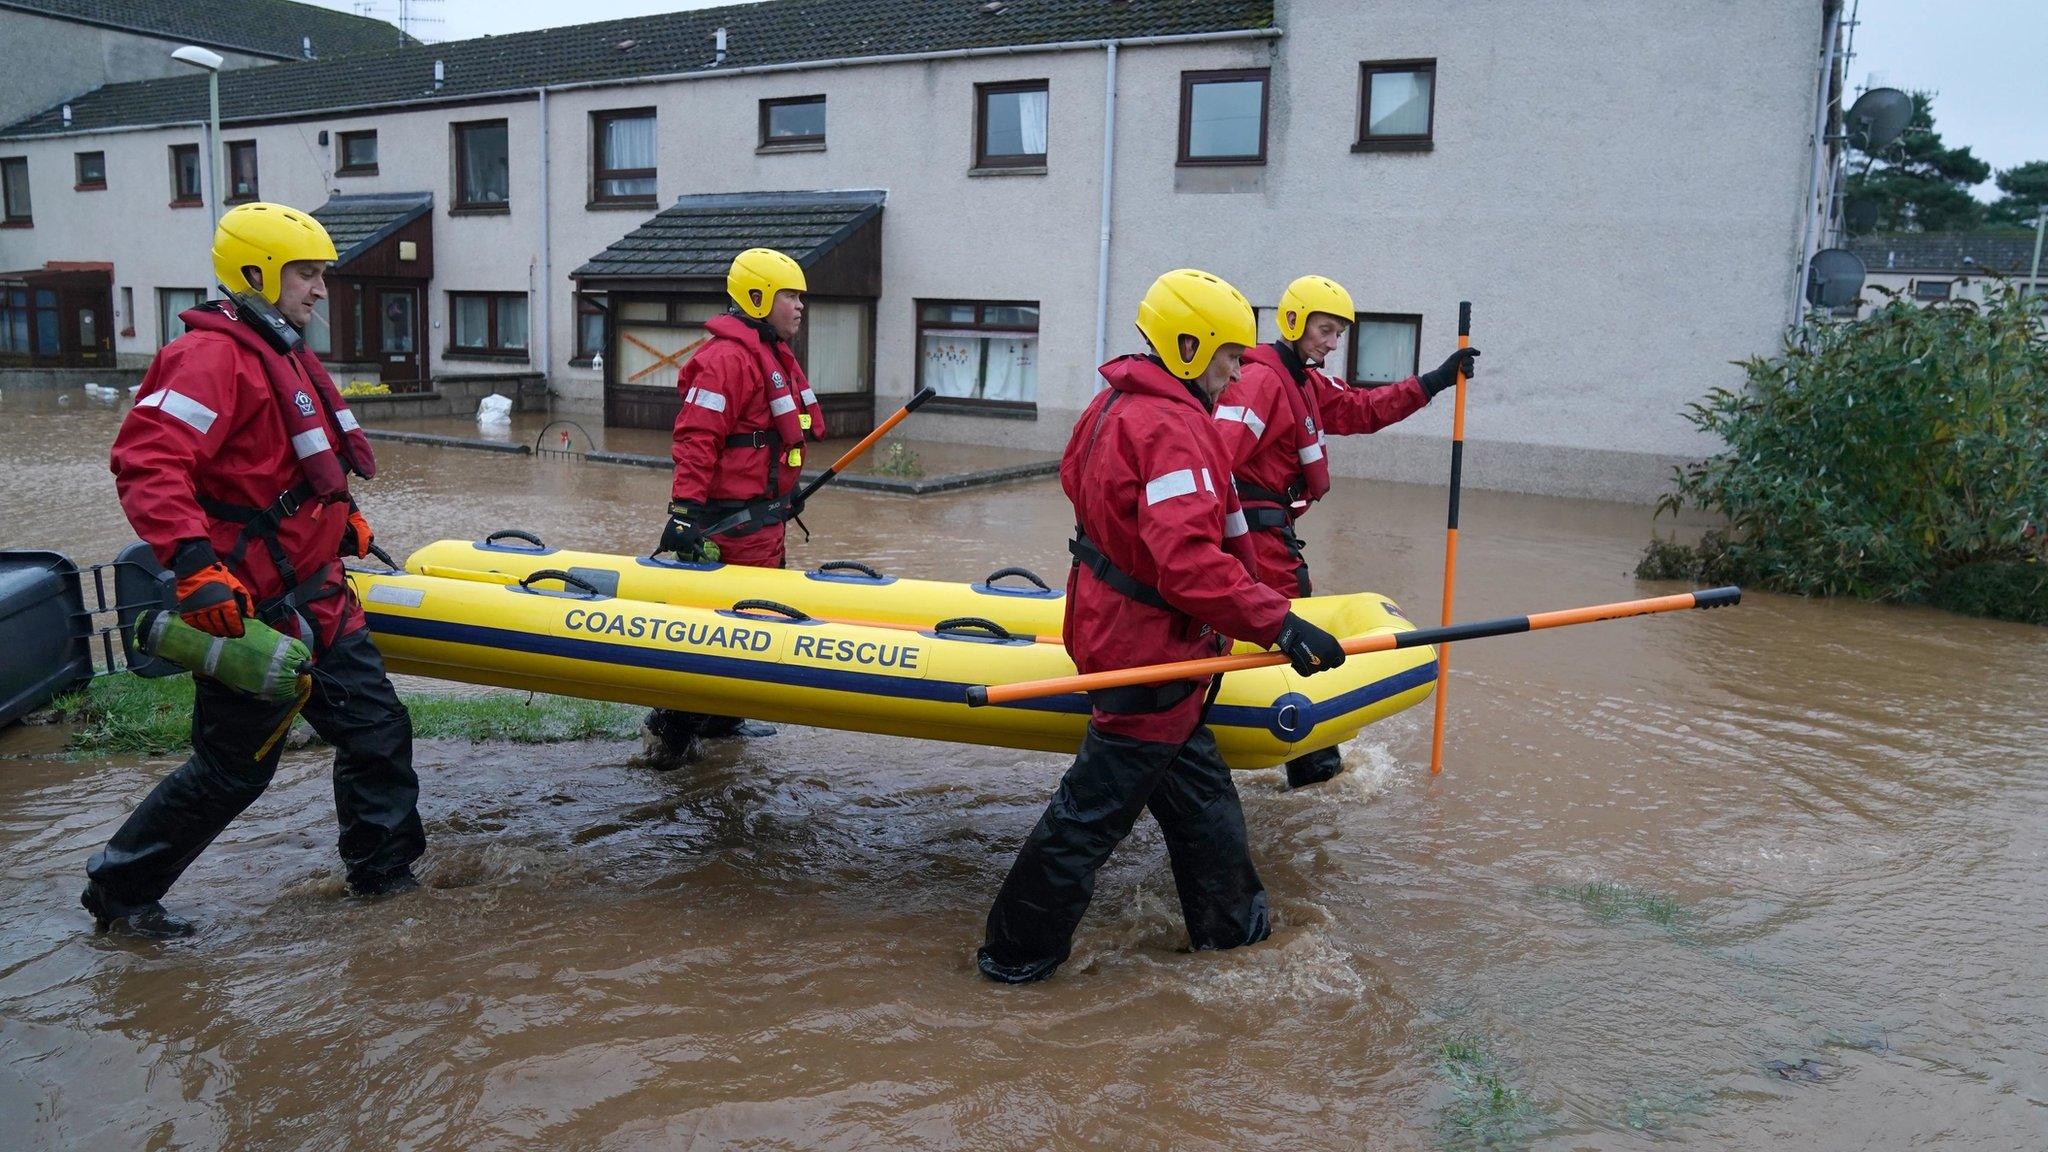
{"points": [[1443, 655]]}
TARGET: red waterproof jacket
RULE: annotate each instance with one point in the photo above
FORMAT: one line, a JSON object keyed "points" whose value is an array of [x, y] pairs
{"points": [[206, 424], [725, 396], [1150, 486], [1273, 420]]}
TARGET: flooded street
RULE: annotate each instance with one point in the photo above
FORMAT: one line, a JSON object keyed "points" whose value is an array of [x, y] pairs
{"points": [[1763, 877]]}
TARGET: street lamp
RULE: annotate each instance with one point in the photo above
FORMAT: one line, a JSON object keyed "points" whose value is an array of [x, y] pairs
{"points": [[199, 57]]}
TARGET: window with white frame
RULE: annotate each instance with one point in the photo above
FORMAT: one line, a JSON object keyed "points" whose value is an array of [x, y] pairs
{"points": [[1385, 347]]}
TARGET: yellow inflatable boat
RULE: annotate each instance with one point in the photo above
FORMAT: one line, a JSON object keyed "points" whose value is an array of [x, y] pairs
{"points": [[839, 647]]}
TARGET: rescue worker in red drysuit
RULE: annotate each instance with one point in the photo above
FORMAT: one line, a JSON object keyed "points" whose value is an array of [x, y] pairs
{"points": [[747, 411], [1159, 575], [1274, 422], [233, 465]]}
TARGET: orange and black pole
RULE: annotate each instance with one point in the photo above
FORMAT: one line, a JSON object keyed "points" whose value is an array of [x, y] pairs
{"points": [[980, 694], [1443, 655], [867, 442]]}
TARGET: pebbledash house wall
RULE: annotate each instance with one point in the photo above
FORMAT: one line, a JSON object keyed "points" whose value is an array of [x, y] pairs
{"points": [[1614, 184]]}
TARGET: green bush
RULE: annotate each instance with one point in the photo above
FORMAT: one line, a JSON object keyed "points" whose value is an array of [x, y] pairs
{"points": [[1900, 457]]}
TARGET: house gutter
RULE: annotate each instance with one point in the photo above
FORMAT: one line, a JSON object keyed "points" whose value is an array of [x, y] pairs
{"points": [[525, 93], [1108, 187], [545, 289]]}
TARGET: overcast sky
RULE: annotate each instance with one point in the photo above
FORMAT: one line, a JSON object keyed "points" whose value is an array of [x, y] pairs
{"points": [[1985, 58]]}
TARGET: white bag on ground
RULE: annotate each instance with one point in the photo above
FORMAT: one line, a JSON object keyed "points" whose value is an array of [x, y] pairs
{"points": [[494, 409]]}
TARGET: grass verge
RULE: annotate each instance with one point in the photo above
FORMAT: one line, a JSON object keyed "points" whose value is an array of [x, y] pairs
{"points": [[127, 715], [1487, 1109], [1612, 902]]}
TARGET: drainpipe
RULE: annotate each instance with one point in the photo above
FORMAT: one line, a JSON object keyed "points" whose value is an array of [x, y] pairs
{"points": [[1809, 229], [1108, 181], [542, 333]]}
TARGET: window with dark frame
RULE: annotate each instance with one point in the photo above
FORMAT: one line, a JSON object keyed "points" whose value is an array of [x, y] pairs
{"points": [[487, 324], [483, 174], [15, 209], [1010, 121], [170, 304], [241, 172], [356, 153], [590, 314], [16, 319], [1385, 348], [979, 354], [1396, 106], [92, 171], [793, 122], [1223, 116], [1932, 289], [185, 187], [622, 157]]}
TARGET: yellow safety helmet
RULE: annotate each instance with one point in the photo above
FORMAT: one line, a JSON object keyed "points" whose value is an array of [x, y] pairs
{"points": [[268, 236], [1189, 302], [757, 275], [1313, 294]]}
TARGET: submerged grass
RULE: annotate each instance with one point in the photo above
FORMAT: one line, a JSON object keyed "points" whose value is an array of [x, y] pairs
{"points": [[126, 715], [1487, 1109], [1613, 902]]}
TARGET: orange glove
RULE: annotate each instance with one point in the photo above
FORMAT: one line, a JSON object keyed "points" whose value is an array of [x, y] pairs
{"points": [[355, 539], [210, 598]]}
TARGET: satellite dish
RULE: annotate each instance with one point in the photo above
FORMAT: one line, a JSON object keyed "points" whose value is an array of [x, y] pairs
{"points": [[1835, 278], [1878, 117], [1859, 215]]}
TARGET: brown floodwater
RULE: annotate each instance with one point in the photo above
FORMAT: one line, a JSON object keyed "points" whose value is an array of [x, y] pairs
{"points": [[1763, 877]]}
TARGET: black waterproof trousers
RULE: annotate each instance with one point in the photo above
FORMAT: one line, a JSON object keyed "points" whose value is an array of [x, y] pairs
{"points": [[376, 794], [1189, 791], [1314, 767]]}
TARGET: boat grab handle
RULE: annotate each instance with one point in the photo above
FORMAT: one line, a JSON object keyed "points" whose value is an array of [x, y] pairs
{"points": [[515, 534], [1026, 573], [848, 566], [974, 624], [771, 606], [568, 581]]}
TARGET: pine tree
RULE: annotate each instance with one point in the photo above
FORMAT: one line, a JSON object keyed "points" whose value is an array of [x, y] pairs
{"points": [[2026, 195], [1919, 183]]}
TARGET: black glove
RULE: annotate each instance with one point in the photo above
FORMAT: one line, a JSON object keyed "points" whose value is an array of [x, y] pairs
{"points": [[682, 535], [1446, 374], [1310, 648]]}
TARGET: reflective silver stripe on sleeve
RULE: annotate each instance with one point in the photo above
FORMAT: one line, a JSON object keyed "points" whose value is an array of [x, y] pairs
{"points": [[1208, 485], [310, 442], [1181, 483], [185, 408], [810, 397], [706, 398], [1244, 416], [1234, 525], [1311, 454], [781, 405], [347, 420]]}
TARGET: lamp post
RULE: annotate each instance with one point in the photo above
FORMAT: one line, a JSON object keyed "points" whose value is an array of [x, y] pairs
{"points": [[210, 62]]}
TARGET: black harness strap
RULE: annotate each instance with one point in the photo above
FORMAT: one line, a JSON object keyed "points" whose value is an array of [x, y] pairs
{"points": [[261, 524], [1087, 555], [1276, 519]]}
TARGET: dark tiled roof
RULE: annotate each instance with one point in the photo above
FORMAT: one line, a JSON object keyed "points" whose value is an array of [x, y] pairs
{"points": [[701, 234], [2007, 252], [774, 32], [263, 27], [358, 222]]}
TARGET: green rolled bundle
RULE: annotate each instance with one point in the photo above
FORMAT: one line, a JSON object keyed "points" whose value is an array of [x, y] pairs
{"points": [[261, 662]]}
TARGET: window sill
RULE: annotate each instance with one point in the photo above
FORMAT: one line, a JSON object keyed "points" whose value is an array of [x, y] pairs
{"points": [[240, 200], [484, 357], [1223, 162], [19, 222], [956, 406], [793, 146], [1424, 144], [641, 205], [504, 209], [88, 187], [1011, 170], [188, 203], [370, 170]]}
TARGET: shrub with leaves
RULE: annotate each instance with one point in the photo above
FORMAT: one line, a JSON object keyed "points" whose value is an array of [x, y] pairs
{"points": [[1877, 458]]}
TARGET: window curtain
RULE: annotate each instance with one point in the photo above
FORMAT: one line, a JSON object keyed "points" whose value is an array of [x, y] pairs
{"points": [[1031, 122], [511, 321], [1386, 351], [837, 360], [1400, 104], [472, 321], [629, 144], [952, 362], [485, 178], [1012, 369]]}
